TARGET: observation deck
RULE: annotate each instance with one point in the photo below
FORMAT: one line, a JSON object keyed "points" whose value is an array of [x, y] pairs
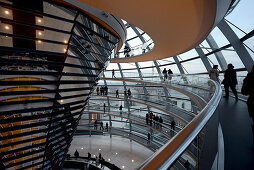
{"points": [[201, 94]]}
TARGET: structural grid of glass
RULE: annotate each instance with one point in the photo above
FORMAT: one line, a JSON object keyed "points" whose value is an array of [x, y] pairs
{"points": [[63, 72], [153, 94]]}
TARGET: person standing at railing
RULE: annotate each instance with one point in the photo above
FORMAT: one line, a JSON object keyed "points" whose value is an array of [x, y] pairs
{"points": [[172, 126], [147, 117], [170, 72], [160, 121], [101, 126], [129, 93], [248, 89], [125, 94], [126, 51], [113, 73], [95, 124], [214, 73], [121, 109], [76, 154], [117, 94], [148, 138], [165, 74], [230, 81], [106, 126], [97, 90], [106, 90]]}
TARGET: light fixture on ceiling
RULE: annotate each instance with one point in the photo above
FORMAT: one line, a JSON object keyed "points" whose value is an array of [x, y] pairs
{"points": [[39, 33], [6, 12], [7, 27], [65, 41], [39, 20]]}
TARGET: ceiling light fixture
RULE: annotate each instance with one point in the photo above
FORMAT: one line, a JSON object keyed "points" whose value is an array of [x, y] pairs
{"points": [[7, 27], [6, 12]]}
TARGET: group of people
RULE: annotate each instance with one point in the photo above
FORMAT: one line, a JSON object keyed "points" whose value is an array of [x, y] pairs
{"points": [[127, 94], [167, 74], [98, 159], [101, 125], [126, 51], [103, 90], [152, 119], [230, 80]]}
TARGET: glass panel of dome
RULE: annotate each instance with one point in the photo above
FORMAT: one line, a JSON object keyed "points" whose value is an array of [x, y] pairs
{"points": [[145, 64], [194, 66], [112, 66], [128, 65], [135, 42], [148, 71], [240, 16], [219, 38], [205, 47], [213, 61], [139, 30], [232, 57], [165, 61], [130, 73], [173, 68], [250, 52], [189, 54], [130, 33], [250, 43], [237, 31]]}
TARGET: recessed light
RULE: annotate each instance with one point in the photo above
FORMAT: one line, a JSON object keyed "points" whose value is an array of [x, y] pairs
{"points": [[116, 153], [108, 159], [123, 166], [7, 27], [39, 41], [132, 160], [39, 20], [82, 148], [39, 33], [61, 101], [65, 50], [99, 149], [6, 12], [65, 41]]}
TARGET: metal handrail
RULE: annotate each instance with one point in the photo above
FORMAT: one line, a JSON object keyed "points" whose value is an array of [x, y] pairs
{"points": [[168, 154]]}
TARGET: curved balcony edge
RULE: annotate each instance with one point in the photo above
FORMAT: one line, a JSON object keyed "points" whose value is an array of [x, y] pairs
{"points": [[168, 154]]}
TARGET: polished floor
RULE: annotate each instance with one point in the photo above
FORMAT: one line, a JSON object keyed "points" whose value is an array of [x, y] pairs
{"points": [[238, 139], [117, 150]]}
